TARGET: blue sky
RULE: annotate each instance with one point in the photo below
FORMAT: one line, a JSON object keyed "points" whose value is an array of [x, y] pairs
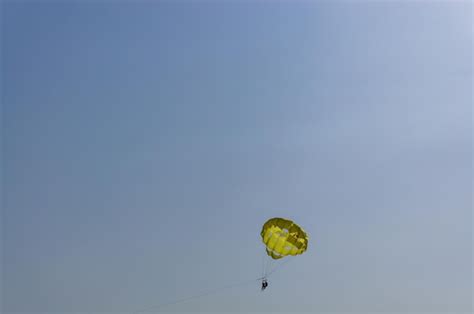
{"points": [[145, 143]]}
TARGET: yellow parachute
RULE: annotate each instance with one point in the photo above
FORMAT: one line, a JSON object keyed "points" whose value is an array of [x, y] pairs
{"points": [[283, 237]]}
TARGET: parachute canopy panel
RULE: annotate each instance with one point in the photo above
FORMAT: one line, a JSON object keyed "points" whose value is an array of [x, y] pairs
{"points": [[283, 237]]}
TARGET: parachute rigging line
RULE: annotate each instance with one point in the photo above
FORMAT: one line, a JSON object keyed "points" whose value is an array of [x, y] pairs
{"points": [[278, 266]]}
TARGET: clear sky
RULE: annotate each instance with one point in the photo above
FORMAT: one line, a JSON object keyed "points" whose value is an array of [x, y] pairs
{"points": [[145, 143]]}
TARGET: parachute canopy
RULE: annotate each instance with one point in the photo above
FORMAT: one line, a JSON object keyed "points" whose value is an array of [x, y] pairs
{"points": [[283, 237]]}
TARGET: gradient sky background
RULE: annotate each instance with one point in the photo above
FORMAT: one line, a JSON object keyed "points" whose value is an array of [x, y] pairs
{"points": [[145, 143]]}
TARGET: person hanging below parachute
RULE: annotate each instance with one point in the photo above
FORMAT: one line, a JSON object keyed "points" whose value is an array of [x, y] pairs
{"points": [[282, 238]]}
